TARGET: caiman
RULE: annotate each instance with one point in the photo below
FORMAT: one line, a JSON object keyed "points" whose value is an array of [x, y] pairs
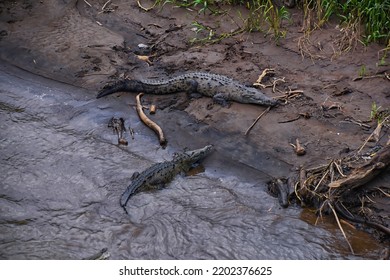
{"points": [[280, 188], [221, 88], [162, 173]]}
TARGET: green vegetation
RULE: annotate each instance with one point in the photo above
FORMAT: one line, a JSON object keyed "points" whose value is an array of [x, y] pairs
{"points": [[265, 16], [383, 55], [373, 15], [262, 16], [211, 36], [362, 71], [265, 13], [204, 4], [382, 116], [374, 111]]}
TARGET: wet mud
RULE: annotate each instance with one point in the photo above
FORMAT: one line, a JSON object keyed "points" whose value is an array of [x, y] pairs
{"points": [[63, 170]]}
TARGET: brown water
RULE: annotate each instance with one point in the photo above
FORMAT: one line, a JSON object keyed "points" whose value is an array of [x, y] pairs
{"points": [[62, 175]]}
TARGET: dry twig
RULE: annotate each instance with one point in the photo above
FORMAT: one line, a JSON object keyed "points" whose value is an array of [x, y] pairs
{"points": [[86, 2], [341, 228], [145, 58], [358, 122], [265, 72], [375, 134], [105, 4], [258, 118], [385, 75], [289, 94], [146, 9]]}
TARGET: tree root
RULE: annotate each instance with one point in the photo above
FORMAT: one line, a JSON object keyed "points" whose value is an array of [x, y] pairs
{"points": [[149, 122]]}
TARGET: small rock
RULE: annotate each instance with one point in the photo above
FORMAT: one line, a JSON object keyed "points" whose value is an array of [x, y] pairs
{"points": [[143, 46]]}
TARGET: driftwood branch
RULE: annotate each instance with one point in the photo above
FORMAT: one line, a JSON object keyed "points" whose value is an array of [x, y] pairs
{"points": [[328, 187], [367, 172], [149, 122]]}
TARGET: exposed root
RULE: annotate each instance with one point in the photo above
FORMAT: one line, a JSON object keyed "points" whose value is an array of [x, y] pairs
{"points": [[286, 95], [307, 47], [149, 122], [265, 72], [290, 94], [145, 58], [349, 38]]}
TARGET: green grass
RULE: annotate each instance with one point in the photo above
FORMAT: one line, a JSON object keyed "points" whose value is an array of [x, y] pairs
{"points": [[373, 15], [362, 71], [265, 16], [383, 55], [265, 13]]}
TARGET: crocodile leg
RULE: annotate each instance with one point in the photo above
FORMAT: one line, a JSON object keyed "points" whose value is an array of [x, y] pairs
{"points": [[134, 176], [220, 99]]}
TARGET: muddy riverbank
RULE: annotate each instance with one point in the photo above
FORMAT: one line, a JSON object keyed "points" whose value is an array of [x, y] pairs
{"points": [[63, 172]]}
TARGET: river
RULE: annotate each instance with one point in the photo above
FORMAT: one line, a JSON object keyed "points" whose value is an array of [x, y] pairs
{"points": [[62, 174]]}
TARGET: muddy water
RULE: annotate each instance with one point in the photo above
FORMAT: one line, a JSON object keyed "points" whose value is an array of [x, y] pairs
{"points": [[62, 175], [62, 172]]}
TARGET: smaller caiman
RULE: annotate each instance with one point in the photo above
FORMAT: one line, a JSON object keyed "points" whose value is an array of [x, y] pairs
{"points": [[162, 173], [280, 188], [221, 88]]}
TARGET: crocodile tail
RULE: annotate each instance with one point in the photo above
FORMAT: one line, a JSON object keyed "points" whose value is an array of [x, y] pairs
{"points": [[127, 194], [124, 85]]}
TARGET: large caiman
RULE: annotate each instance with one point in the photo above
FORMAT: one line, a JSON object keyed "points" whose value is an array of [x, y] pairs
{"points": [[162, 173], [221, 88]]}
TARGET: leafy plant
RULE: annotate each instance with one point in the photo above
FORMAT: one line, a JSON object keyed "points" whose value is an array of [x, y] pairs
{"points": [[374, 14], [362, 71], [374, 111], [265, 13], [198, 28]]}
